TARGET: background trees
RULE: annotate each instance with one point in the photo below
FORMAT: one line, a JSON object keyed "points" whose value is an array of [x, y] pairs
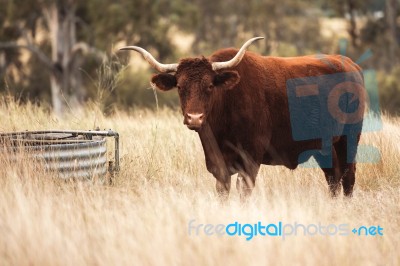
{"points": [[61, 52]]}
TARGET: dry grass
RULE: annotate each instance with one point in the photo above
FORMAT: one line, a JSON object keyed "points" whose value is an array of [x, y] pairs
{"points": [[143, 218]]}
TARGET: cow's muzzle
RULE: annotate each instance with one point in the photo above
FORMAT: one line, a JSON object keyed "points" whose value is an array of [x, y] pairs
{"points": [[194, 121]]}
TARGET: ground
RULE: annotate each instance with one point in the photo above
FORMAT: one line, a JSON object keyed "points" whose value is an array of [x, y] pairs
{"points": [[143, 218]]}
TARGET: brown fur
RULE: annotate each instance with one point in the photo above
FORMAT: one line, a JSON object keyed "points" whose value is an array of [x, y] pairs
{"points": [[247, 120]]}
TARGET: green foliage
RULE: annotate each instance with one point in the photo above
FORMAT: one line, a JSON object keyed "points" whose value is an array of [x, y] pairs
{"points": [[144, 23], [135, 90], [291, 27], [114, 83], [389, 90]]}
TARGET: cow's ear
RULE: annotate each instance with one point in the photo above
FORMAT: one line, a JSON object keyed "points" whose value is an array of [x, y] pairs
{"points": [[163, 81], [226, 79]]}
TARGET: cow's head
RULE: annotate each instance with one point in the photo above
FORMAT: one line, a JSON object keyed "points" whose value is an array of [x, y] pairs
{"points": [[196, 79]]}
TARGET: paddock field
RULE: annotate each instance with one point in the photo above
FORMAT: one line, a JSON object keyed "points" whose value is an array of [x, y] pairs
{"points": [[143, 218]]}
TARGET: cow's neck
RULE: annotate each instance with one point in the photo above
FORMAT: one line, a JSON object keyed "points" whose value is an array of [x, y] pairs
{"points": [[219, 118]]}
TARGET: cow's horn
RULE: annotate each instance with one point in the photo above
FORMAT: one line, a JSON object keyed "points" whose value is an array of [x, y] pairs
{"points": [[163, 68], [238, 57]]}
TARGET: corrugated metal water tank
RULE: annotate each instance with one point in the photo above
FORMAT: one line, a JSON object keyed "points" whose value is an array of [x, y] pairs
{"points": [[69, 154]]}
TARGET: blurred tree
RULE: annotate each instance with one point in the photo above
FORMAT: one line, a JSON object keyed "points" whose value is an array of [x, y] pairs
{"points": [[127, 22], [391, 14], [62, 36], [140, 22], [59, 20], [68, 40], [389, 90], [350, 9], [218, 24], [379, 32]]}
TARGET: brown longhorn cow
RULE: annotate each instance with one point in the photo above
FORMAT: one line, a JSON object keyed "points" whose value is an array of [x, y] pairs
{"points": [[239, 104]]}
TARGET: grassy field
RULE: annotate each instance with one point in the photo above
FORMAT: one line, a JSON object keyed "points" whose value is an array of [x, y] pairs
{"points": [[143, 218]]}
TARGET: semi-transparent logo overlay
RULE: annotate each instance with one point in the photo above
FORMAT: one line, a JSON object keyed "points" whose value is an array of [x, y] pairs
{"points": [[342, 104]]}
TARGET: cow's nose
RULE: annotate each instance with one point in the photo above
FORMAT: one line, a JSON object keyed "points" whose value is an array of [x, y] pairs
{"points": [[194, 121]]}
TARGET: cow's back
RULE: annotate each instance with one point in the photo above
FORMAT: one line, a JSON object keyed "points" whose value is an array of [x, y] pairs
{"points": [[258, 107]]}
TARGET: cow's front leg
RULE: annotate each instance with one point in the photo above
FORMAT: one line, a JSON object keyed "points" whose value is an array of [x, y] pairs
{"points": [[245, 186], [223, 188]]}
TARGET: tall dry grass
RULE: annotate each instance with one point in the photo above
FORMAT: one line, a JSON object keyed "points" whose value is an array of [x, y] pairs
{"points": [[143, 218]]}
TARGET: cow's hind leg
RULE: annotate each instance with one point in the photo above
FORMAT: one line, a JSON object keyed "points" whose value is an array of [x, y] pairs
{"points": [[346, 158], [332, 174], [245, 182], [245, 186], [223, 188], [348, 179]]}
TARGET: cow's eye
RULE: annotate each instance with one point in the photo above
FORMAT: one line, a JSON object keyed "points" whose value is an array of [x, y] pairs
{"points": [[210, 88], [178, 87]]}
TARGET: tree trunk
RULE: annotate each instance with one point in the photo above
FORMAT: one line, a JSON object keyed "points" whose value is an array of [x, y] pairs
{"points": [[391, 12], [353, 25], [66, 84], [52, 20]]}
